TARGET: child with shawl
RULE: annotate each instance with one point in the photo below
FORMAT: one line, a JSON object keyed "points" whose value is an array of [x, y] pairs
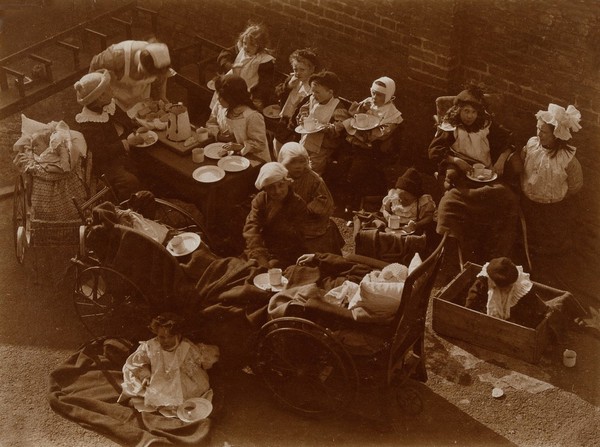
{"points": [[274, 227], [551, 176], [320, 233]]}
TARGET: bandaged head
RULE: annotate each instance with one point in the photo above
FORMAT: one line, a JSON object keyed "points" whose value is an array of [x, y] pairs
{"points": [[270, 173], [564, 121], [384, 85], [290, 151], [91, 86]]}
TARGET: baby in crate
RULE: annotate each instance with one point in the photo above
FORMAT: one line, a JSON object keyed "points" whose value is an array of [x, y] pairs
{"points": [[407, 205], [168, 369]]}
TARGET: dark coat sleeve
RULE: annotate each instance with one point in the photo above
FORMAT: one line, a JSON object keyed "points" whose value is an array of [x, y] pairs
{"points": [[500, 140], [226, 58], [440, 146], [477, 296]]}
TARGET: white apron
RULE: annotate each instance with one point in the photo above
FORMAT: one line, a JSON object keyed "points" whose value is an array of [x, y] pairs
{"points": [[127, 91], [322, 113]]}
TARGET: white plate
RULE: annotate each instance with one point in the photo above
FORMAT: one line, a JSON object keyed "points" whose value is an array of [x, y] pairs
{"points": [[491, 179], [150, 142], [211, 85], [400, 231], [212, 150], [168, 412], [373, 122], [272, 111], [233, 163], [208, 174], [262, 282], [191, 241], [302, 130], [195, 409]]}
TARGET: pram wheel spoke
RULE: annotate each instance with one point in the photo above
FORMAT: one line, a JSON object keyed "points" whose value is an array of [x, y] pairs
{"points": [[20, 220], [305, 369], [108, 303]]}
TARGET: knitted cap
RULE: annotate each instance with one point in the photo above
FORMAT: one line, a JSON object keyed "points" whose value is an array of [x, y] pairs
{"points": [[91, 86], [502, 271], [410, 182], [270, 173], [290, 151]]}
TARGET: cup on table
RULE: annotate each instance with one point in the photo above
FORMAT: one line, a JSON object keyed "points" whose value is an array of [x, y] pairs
{"points": [[275, 277], [177, 244], [569, 358], [394, 222], [478, 169], [309, 123], [361, 119], [198, 155], [203, 134]]}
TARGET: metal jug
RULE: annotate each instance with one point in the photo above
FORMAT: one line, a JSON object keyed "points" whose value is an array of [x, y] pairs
{"points": [[179, 128]]}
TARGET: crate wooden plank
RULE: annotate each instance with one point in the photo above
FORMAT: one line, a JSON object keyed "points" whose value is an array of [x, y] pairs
{"points": [[450, 318]]}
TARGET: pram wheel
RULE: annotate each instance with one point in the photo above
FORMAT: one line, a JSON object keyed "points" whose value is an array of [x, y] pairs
{"points": [[21, 223], [305, 367], [108, 304]]}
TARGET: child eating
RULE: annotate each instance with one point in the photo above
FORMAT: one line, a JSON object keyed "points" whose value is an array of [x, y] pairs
{"points": [[413, 209]]}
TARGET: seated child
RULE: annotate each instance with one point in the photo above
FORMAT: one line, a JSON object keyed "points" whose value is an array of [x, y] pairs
{"points": [[168, 369], [503, 290], [381, 105], [414, 209]]}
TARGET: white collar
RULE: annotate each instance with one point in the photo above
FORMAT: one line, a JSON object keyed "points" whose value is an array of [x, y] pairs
{"points": [[89, 116]]}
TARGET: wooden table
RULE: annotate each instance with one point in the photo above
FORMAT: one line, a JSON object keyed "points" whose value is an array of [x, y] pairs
{"points": [[174, 172]]}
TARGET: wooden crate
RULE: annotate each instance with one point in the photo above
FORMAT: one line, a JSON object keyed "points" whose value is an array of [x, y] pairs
{"points": [[450, 318]]}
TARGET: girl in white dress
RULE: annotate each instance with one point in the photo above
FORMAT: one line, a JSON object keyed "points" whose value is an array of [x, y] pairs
{"points": [[551, 175]]}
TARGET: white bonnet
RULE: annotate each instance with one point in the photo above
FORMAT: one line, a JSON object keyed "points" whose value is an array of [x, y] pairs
{"points": [[91, 86], [270, 173], [564, 121], [388, 88], [160, 54], [291, 150]]}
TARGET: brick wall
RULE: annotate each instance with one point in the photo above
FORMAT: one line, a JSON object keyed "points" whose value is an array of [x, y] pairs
{"points": [[532, 51]]}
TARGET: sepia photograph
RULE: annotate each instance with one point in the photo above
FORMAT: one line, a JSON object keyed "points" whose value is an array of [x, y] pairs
{"points": [[299, 223]]}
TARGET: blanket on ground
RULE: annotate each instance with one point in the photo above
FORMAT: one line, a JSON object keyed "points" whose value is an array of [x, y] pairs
{"points": [[85, 389]]}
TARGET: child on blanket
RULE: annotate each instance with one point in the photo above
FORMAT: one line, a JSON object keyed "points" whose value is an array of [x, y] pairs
{"points": [[413, 209], [168, 369]]}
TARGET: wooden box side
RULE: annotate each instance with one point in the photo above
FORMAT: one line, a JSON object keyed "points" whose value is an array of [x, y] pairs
{"points": [[455, 320]]}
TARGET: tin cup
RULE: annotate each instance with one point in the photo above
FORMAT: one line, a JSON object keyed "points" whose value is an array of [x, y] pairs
{"points": [[275, 277], [177, 244], [478, 169], [569, 358], [203, 134], [198, 155], [394, 222]]}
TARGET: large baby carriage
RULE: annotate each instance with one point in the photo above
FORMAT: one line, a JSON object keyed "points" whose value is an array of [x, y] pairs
{"points": [[43, 211], [305, 361], [123, 276]]}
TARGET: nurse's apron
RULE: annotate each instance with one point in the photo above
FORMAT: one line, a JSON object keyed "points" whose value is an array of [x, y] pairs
{"points": [[127, 91]]}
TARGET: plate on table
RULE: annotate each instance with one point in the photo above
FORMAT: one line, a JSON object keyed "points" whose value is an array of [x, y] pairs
{"points": [[371, 122], [484, 179], [195, 409], [211, 85], [152, 138], [208, 174], [233, 163], [400, 231], [272, 111], [191, 241], [302, 130], [262, 282], [212, 151]]}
